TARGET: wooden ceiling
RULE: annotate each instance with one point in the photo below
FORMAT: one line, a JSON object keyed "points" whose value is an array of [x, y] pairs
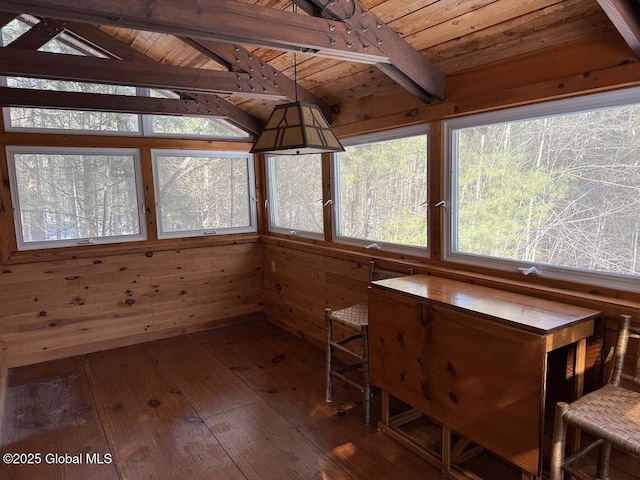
{"points": [[344, 49]]}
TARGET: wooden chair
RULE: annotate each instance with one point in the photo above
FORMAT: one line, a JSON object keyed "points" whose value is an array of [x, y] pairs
{"points": [[355, 318], [611, 415]]}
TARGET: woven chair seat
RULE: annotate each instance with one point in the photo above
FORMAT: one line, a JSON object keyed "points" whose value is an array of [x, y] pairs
{"points": [[611, 413], [354, 316]]}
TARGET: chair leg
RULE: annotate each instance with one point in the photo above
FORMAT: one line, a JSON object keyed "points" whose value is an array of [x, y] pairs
{"points": [[558, 442], [366, 390], [604, 454], [327, 315]]}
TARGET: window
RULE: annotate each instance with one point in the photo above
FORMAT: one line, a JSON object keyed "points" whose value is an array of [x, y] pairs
{"points": [[70, 196], [187, 126], [381, 190], [295, 194], [14, 29], [203, 193], [554, 186], [50, 119]]}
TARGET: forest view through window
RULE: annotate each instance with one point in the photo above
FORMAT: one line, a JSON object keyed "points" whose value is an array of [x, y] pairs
{"points": [[69, 196], [560, 190], [295, 193], [382, 191], [203, 193]]}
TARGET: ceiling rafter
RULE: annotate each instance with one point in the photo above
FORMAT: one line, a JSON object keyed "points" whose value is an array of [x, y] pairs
{"points": [[6, 18], [238, 58], [625, 16], [242, 23], [19, 97], [407, 67], [20, 62]]}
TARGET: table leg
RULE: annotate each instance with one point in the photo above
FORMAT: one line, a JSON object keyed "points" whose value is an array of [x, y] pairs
{"points": [[578, 384]]}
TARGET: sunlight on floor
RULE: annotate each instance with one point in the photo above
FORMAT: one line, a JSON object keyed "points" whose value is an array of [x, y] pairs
{"points": [[345, 450]]}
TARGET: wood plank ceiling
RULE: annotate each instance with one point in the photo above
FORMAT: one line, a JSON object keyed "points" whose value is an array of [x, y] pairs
{"points": [[237, 57]]}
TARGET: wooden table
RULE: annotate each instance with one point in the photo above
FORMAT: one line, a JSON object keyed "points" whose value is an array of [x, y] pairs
{"points": [[472, 358]]}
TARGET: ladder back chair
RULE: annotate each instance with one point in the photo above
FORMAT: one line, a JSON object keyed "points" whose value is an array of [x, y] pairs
{"points": [[356, 319], [611, 415]]}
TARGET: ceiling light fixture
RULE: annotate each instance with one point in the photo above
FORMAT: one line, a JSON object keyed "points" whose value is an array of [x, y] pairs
{"points": [[296, 128]]}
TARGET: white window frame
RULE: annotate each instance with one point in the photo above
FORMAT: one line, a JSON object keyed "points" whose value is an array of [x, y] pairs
{"points": [[272, 206], [12, 150], [251, 228], [144, 124], [6, 113], [449, 181], [377, 245]]}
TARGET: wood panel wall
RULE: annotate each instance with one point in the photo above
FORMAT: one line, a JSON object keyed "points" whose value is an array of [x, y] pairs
{"points": [[66, 307]]}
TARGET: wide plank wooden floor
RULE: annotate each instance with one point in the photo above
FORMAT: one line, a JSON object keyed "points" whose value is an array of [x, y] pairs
{"points": [[239, 402]]}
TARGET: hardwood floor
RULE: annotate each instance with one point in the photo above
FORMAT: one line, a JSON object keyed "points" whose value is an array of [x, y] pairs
{"points": [[239, 402]]}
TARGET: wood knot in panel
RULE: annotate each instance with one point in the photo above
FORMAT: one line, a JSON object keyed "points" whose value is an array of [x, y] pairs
{"points": [[426, 392]]}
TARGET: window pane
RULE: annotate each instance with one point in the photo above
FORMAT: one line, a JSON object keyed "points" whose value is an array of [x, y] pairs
{"points": [[71, 196], [195, 126], [295, 185], [202, 193], [185, 126], [69, 45], [561, 190], [13, 30], [383, 191], [51, 119], [72, 120]]}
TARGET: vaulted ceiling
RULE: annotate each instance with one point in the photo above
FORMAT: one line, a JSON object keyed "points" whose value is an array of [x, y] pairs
{"points": [[237, 58]]}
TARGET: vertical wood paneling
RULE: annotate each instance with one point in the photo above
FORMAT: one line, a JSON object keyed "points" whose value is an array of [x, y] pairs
{"points": [[60, 308], [304, 284]]}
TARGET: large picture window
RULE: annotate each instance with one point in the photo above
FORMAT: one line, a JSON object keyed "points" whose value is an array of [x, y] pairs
{"points": [[70, 196], [555, 186], [295, 194], [381, 190], [203, 193]]}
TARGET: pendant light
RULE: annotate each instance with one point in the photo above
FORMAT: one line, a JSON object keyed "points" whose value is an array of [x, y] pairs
{"points": [[296, 128]]}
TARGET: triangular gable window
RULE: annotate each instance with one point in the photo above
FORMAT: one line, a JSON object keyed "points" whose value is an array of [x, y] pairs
{"points": [[14, 29], [82, 121]]}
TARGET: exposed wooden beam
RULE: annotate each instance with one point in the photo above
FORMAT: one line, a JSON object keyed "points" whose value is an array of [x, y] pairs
{"points": [[19, 62], [625, 16], [240, 59], [358, 38], [223, 20], [6, 18], [406, 65], [19, 97], [114, 48]]}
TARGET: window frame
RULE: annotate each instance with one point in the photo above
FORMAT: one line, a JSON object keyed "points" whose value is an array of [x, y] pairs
{"points": [[12, 150], [272, 205], [449, 179], [377, 245], [251, 191]]}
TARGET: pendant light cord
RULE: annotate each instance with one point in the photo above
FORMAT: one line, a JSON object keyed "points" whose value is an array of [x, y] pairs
{"points": [[294, 7]]}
